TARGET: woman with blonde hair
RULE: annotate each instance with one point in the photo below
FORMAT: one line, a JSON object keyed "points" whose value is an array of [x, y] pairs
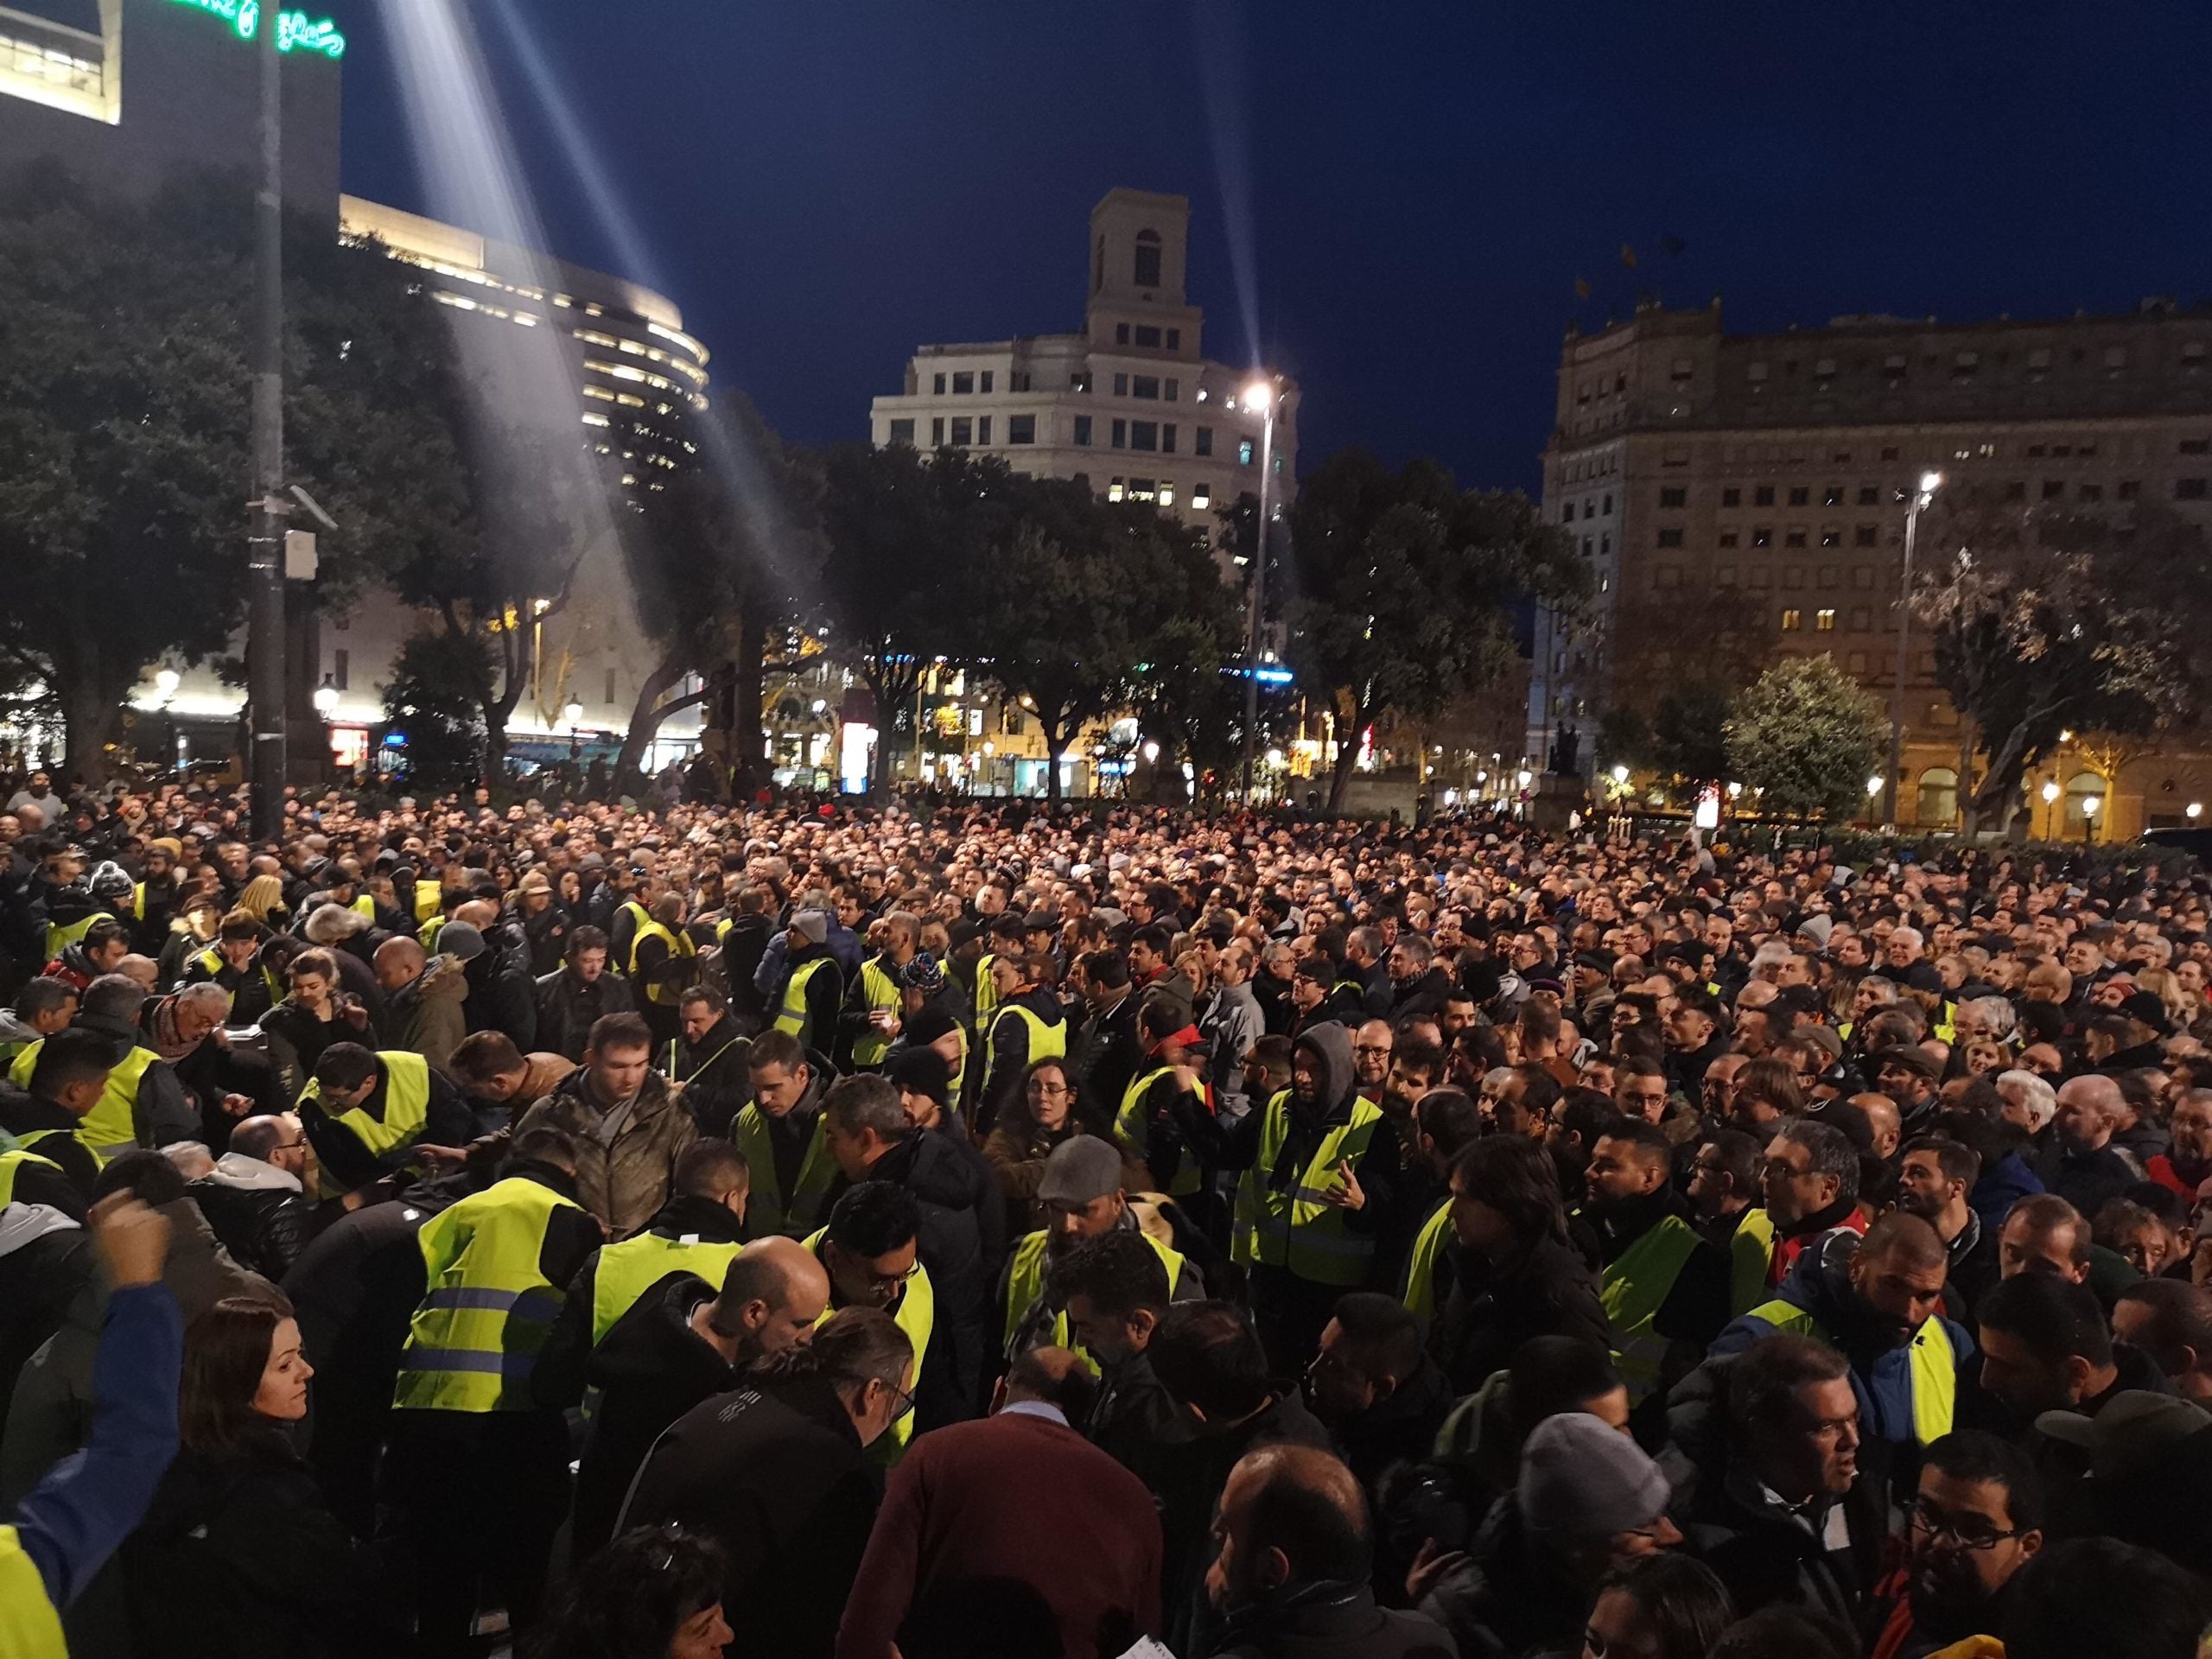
{"points": [[262, 898]]}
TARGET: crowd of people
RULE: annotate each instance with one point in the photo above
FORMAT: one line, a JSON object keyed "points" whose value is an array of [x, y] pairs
{"points": [[656, 1233]]}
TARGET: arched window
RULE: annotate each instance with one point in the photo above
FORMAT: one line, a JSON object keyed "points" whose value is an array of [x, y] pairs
{"points": [[1147, 260], [1939, 798], [2082, 788]]}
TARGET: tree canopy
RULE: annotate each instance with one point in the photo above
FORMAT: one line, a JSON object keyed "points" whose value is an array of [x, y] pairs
{"points": [[1805, 736]]}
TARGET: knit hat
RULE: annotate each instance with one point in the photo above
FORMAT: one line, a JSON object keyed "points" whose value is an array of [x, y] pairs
{"points": [[1081, 1168], [928, 1023], [1581, 1482], [1817, 927], [921, 1071], [812, 926], [461, 941], [922, 974]]}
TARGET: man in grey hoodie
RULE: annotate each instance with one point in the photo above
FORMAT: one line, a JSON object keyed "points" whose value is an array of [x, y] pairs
{"points": [[1320, 1171]]}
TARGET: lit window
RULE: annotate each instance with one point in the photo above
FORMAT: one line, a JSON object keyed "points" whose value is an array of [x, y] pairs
{"points": [[1244, 452], [1167, 493], [1792, 620], [1201, 496], [1824, 621], [1114, 490]]}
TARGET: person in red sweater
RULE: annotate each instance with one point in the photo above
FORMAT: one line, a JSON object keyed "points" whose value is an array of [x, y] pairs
{"points": [[1011, 1536]]}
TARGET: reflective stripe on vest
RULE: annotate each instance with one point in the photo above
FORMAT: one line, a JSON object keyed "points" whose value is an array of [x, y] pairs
{"points": [[12, 1161], [675, 1075], [679, 945], [112, 1124], [474, 1340], [30, 1626], [1046, 1042], [1130, 1127], [880, 992], [987, 991], [1751, 1252], [915, 1315], [1025, 1283], [794, 1015], [1435, 1236], [406, 1103], [627, 1271], [1295, 1228], [767, 1209], [1636, 1286]]}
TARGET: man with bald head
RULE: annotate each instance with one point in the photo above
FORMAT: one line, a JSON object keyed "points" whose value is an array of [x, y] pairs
{"points": [[684, 1341], [502, 995], [1018, 1498], [1293, 1519], [423, 999], [255, 1197], [2091, 1171], [1877, 1299]]}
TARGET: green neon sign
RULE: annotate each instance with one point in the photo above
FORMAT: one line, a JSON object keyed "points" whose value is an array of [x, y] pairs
{"points": [[295, 31]]}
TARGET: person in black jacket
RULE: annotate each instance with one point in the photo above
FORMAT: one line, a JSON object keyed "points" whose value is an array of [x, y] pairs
{"points": [[708, 1062], [501, 993], [350, 1078], [255, 1198], [239, 1555], [570, 1001], [680, 1342], [1515, 1276], [962, 1235], [776, 1473], [66, 1082]]}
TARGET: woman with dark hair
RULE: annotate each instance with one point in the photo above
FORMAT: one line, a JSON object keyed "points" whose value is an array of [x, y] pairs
{"points": [[1664, 1607], [1515, 1276], [1766, 1092], [316, 1013], [239, 1556], [655, 1592], [1041, 1115]]}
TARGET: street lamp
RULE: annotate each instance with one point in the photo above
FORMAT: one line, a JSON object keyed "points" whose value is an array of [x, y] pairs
{"points": [[165, 684], [1260, 395], [1929, 483], [2089, 806], [2195, 809], [326, 698], [572, 714]]}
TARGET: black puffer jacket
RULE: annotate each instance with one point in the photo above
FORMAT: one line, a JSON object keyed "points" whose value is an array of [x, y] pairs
{"points": [[260, 1214]]}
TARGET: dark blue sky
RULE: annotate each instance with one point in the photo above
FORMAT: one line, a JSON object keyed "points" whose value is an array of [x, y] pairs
{"points": [[823, 186]]}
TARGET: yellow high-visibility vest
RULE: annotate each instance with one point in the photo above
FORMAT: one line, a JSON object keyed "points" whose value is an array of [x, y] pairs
{"points": [[474, 1338], [30, 1625], [1296, 1229], [1436, 1234], [1636, 1287], [915, 1315], [10, 1162], [1129, 1127], [629, 1269], [794, 1016], [880, 992], [679, 945], [112, 1124], [769, 1209], [406, 1103], [1025, 1283]]}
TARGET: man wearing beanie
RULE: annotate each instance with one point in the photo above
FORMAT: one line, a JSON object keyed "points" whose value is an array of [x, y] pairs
{"points": [[813, 988], [1587, 1503]]}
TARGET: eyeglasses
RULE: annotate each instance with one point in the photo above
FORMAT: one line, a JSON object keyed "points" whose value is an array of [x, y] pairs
{"points": [[1370, 1048], [1967, 1533], [1049, 1090]]}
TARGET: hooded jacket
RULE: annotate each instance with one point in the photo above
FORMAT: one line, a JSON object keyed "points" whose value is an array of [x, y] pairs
{"points": [[261, 1214], [425, 1015]]}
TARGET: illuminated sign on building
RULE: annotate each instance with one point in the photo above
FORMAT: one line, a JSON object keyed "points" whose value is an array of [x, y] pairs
{"points": [[295, 31]]}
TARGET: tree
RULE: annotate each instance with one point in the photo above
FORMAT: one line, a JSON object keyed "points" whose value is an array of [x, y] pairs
{"points": [[1405, 586], [2046, 621], [715, 554], [901, 532], [1077, 594], [1806, 736], [428, 703], [1670, 686]]}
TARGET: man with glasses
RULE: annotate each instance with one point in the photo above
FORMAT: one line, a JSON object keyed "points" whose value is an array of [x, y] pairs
{"points": [[871, 1250], [255, 1198], [1976, 1521]]}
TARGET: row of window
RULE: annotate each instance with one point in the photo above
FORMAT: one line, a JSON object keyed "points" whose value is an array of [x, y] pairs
{"points": [[968, 383], [1157, 492], [1158, 437], [1675, 498], [1148, 336]]}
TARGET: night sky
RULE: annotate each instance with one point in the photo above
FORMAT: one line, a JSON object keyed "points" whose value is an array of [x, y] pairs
{"points": [[1412, 189]]}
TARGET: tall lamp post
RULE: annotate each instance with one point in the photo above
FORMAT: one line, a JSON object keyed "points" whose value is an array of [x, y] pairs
{"points": [[1259, 395], [265, 542], [1929, 483]]}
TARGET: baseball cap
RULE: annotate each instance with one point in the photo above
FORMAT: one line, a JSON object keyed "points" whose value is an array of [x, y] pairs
{"points": [[2136, 1429]]}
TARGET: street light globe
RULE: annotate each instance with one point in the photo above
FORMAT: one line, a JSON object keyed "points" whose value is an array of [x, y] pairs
{"points": [[1874, 784], [1620, 774], [990, 749], [1734, 790], [1274, 757], [326, 698], [1151, 752], [167, 681], [1258, 395], [2050, 792], [1482, 777], [1523, 776], [1931, 482], [821, 706], [2195, 809], [572, 714], [2089, 806]]}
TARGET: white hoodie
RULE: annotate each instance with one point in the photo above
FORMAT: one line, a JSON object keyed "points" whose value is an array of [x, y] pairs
{"points": [[252, 1174]]}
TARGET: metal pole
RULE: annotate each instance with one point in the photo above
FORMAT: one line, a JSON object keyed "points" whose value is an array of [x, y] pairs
{"points": [[1253, 622], [265, 543], [1892, 789]]}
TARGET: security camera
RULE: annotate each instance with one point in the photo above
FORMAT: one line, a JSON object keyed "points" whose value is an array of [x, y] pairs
{"points": [[314, 507]]}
